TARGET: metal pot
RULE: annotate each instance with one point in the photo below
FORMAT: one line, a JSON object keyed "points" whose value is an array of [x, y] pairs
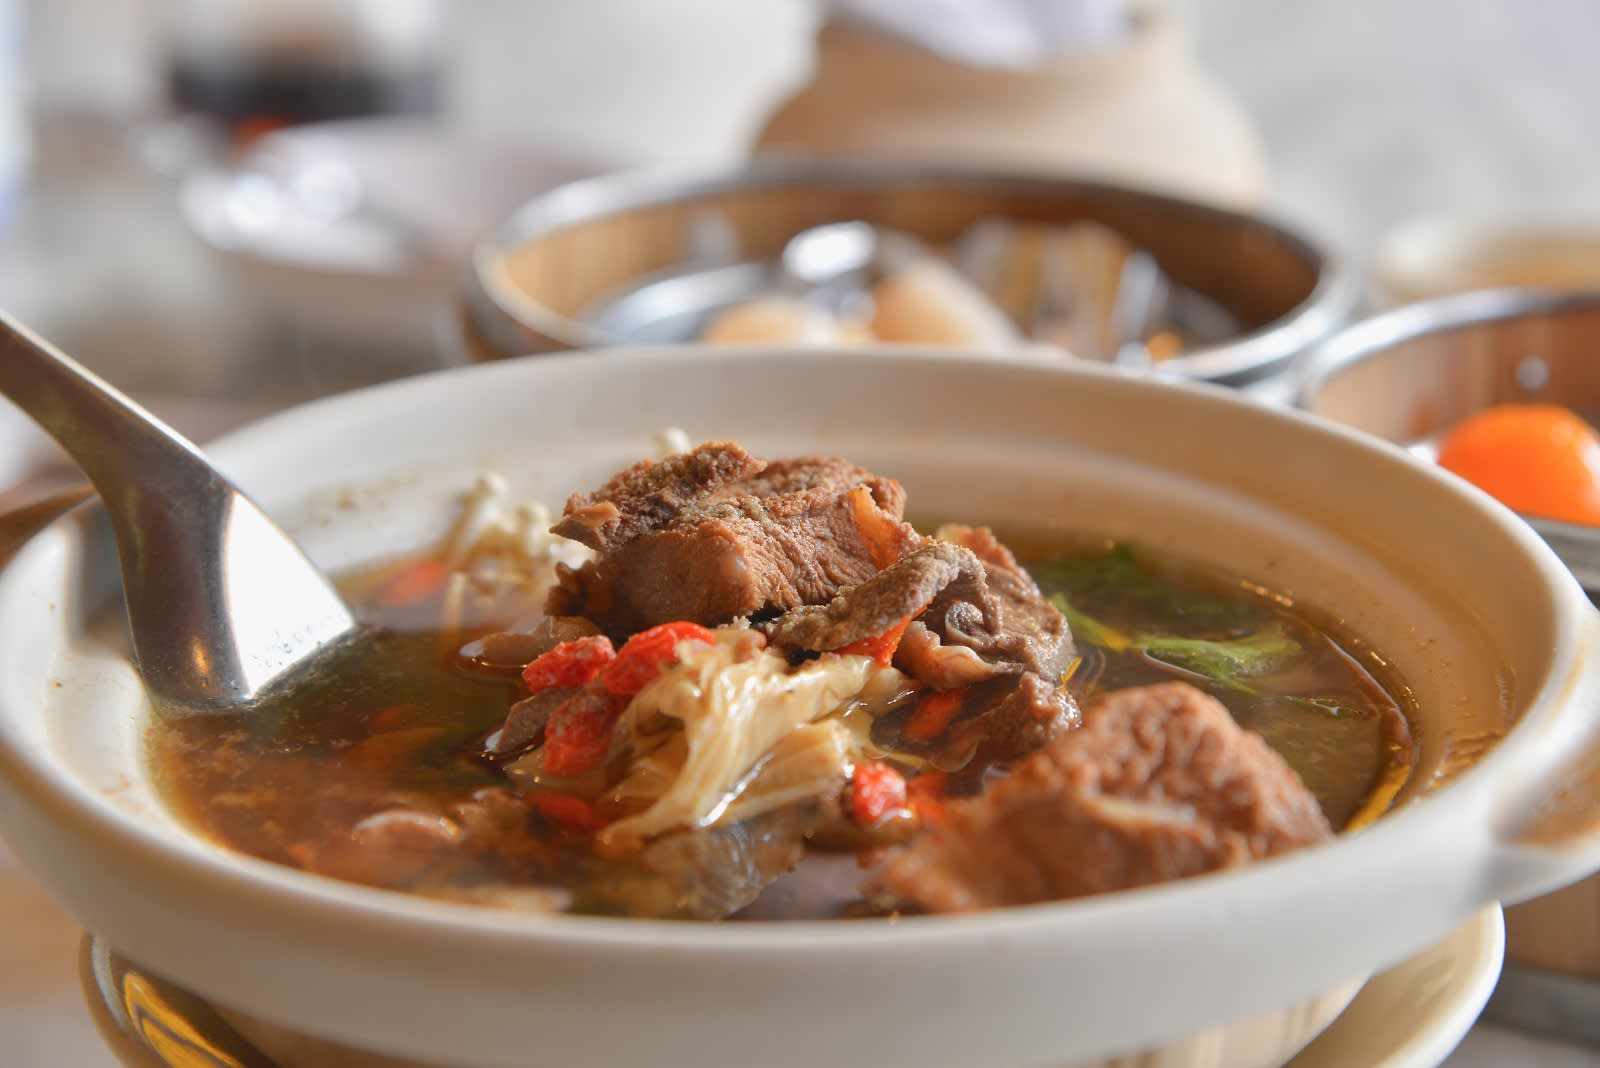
{"points": [[529, 282], [1408, 374]]}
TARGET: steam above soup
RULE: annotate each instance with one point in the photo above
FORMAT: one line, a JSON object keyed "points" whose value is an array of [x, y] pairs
{"points": [[717, 670]]}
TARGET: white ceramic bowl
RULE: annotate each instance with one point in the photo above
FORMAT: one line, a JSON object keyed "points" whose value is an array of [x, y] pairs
{"points": [[1478, 618]]}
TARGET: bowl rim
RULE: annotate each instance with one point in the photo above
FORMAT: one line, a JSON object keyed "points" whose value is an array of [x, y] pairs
{"points": [[509, 321]]}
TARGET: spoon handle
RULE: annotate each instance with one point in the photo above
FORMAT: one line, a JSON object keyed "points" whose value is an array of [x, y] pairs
{"points": [[221, 602], [114, 440]]}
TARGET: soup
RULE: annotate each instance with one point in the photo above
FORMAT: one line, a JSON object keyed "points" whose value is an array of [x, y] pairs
{"points": [[445, 755]]}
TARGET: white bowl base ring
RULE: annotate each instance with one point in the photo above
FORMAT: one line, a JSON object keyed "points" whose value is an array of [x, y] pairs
{"points": [[1410, 1016]]}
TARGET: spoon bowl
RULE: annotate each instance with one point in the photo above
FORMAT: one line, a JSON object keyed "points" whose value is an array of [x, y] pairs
{"points": [[221, 602]]}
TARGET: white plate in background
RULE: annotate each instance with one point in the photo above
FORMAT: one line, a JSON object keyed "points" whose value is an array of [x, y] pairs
{"points": [[360, 228], [1432, 257], [1416, 1013]]}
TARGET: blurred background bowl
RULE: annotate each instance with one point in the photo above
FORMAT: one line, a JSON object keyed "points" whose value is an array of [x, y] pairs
{"points": [[1412, 372], [1409, 374], [356, 229], [1431, 257], [531, 283]]}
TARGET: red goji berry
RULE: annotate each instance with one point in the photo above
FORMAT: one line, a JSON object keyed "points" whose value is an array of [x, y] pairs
{"points": [[875, 791], [646, 655], [579, 733], [419, 580], [934, 714], [881, 647], [568, 813], [570, 664]]}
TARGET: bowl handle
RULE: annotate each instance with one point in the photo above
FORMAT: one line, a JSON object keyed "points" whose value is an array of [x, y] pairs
{"points": [[1549, 835]]}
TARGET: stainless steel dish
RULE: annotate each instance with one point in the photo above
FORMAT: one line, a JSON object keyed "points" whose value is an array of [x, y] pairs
{"points": [[531, 282], [1408, 374]]}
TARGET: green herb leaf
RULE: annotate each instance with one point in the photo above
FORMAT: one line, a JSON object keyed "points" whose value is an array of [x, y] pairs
{"points": [[1086, 628], [1118, 576], [1224, 661], [1221, 661]]}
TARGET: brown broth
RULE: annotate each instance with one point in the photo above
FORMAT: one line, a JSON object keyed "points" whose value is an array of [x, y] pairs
{"points": [[1326, 709], [402, 724]]}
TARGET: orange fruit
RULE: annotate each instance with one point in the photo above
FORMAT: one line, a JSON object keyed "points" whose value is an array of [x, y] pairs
{"points": [[1538, 459]]}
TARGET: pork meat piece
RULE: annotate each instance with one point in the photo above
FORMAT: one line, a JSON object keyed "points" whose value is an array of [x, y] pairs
{"points": [[1159, 783], [782, 534]]}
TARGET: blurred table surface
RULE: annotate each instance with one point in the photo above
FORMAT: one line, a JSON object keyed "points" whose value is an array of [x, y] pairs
{"points": [[1370, 112], [96, 256]]}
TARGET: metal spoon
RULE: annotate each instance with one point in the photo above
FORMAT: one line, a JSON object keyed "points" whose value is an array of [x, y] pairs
{"points": [[831, 266], [221, 602], [835, 265]]}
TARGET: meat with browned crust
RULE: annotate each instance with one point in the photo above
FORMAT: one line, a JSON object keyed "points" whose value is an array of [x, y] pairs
{"points": [[1020, 714], [979, 622], [781, 534], [895, 594], [649, 494], [1159, 783], [1021, 627], [714, 534]]}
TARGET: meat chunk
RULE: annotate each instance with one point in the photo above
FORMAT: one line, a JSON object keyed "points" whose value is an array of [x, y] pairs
{"points": [[925, 657], [703, 873], [717, 871], [895, 594], [984, 615], [649, 494], [1018, 625], [831, 474], [515, 649], [526, 721], [388, 848], [979, 620], [720, 535], [1159, 783], [1027, 712], [816, 548]]}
